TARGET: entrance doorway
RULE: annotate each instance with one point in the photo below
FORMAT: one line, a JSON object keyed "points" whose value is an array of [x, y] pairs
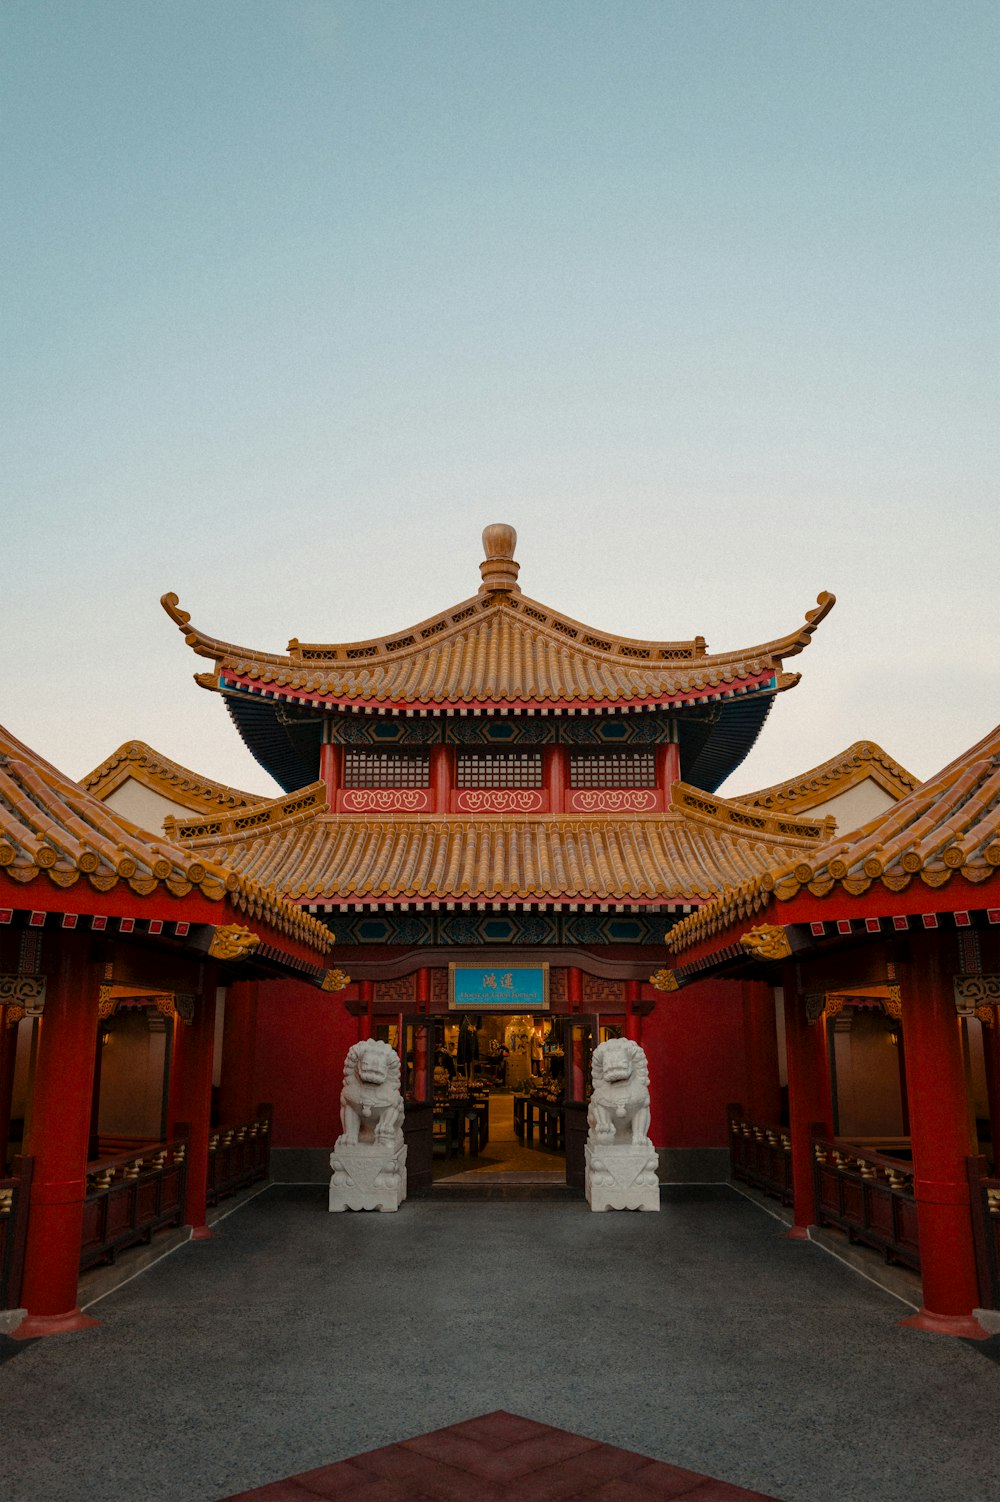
{"points": [[498, 1099]]}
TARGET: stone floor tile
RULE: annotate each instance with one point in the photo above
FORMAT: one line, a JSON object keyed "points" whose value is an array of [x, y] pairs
{"points": [[495, 1431], [515, 1460]]}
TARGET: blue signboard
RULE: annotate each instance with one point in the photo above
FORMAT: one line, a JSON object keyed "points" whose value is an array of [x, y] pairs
{"points": [[502, 988]]}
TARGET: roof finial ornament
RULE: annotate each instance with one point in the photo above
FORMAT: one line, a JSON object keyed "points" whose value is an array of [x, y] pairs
{"points": [[498, 568]]}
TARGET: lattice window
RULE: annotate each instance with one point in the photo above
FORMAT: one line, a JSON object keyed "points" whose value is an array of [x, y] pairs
{"points": [[386, 769], [499, 769], [612, 769]]}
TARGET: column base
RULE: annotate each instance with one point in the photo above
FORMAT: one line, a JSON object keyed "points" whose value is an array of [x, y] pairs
{"points": [[203, 1233], [796, 1233], [34, 1325], [964, 1325]]}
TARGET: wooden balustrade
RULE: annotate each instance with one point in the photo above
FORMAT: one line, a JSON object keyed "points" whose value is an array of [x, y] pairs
{"points": [[131, 1196], [868, 1195], [760, 1156], [984, 1198], [239, 1155], [15, 1195]]}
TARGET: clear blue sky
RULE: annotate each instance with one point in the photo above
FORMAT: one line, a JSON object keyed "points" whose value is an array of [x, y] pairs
{"points": [[299, 294]]}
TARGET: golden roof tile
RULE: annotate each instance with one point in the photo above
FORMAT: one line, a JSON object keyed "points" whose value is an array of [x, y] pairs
{"points": [[51, 827], [682, 855], [945, 828], [498, 648], [862, 760], [153, 770]]}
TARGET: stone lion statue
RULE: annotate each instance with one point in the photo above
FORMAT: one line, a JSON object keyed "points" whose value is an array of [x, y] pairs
{"points": [[371, 1107], [619, 1106]]}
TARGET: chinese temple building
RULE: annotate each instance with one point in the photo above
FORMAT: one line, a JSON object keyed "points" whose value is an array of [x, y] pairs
{"points": [[508, 822], [501, 788]]}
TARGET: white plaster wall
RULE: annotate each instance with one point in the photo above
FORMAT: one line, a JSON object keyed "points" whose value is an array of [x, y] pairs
{"points": [[142, 806], [855, 807]]}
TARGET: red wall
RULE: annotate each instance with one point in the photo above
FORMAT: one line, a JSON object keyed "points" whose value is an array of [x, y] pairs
{"points": [[302, 1037], [694, 1044]]}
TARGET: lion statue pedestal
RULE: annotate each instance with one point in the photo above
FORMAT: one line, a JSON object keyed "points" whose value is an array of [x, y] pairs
{"points": [[369, 1160], [621, 1162]]}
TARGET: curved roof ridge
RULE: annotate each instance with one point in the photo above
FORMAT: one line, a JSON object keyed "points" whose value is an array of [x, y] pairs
{"points": [[858, 761], [51, 826], [945, 827], [144, 764], [510, 650], [548, 622]]}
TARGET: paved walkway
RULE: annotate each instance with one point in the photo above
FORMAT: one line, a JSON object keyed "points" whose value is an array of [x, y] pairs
{"points": [[698, 1337]]}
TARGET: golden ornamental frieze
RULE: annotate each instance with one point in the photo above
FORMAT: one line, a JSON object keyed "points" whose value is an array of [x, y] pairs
{"points": [[232, 942], [767, 942]]}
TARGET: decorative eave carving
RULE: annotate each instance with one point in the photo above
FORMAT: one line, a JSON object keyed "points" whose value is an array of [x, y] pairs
{"points": [[665, 980], [232, 942], [334, 980], [767, 942], [977, 996], [24, 993]]}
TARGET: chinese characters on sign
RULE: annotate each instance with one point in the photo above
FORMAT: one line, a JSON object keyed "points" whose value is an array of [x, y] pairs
{"points": [[514, 988]]}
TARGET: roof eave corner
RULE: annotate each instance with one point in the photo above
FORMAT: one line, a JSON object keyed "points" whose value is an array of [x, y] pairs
{"points": [[204, 645], [797, 641]]}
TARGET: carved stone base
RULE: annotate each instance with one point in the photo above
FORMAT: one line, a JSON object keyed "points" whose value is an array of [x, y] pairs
{"points": [[368, 1176], [621, 1178]]}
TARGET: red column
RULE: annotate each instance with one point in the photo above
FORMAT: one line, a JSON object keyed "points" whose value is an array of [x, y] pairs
{"points": [[366, 1022], [668, 767], [194, 1103], [991, 1058], [331, 762], [239, 1054], [423, 989], [57, 1140], [175, 1106], [760, 1037], [939, 1131], [574, 988], [632, 994], [8, 1058], [808, 1100], [558, 778], [442, 761]]}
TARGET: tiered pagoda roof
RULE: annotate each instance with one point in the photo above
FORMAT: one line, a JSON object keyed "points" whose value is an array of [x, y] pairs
{"points": [[946, 831], [684, 855], [53, 831], [497, 652]]}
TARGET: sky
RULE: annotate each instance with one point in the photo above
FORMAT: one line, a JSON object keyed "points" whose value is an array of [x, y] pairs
{"points": [[298, 295]]}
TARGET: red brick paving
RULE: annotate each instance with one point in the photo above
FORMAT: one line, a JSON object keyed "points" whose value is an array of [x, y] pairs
{"points": [[500, 1458]]}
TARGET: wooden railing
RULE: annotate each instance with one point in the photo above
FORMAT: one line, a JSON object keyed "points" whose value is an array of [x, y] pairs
{"points": [[760, 1156], [15, 1194], [131, 1196], [239, 1155], [984, 1197], [869, 1196]]}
